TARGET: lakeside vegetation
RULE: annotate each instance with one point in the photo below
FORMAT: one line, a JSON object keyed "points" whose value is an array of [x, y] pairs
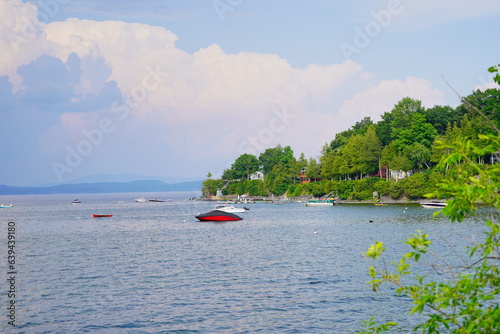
{"points": [[397, 156]]}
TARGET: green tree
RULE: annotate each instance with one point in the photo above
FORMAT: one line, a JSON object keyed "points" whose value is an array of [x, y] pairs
{"points": [[210, 187], [418, 154], [398, 119], [415, 185], [357, 129], [272, 156], [278, 179], [313, 169], [440, 117], [245, 165], [487, 104], [417, 130], [401, 162], [301, 162], [362, 152], [327, 163], [228, 174]]}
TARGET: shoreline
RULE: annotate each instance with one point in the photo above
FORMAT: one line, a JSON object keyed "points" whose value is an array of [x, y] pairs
{"points": [[305, 198]]}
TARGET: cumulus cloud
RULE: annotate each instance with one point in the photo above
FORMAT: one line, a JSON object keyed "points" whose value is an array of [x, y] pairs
{"points": [[126, 99], [486, 86], [373, 102]]}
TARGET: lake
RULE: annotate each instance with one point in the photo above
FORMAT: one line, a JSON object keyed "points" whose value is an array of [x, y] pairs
{"points": [[153, 268]]}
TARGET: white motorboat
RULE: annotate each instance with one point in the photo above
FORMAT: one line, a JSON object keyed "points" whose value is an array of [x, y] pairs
{"points": [[3, 206], [320, 202], [141, 200], [433, 205], [230, 208]]}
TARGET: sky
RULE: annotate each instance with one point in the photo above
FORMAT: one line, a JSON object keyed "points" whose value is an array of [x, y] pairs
{"points": [[183, 87]]}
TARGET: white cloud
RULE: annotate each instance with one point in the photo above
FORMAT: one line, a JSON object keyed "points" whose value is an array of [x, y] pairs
{"points": [[486, 86], [376, 100], [22, 36], [191, 113]]}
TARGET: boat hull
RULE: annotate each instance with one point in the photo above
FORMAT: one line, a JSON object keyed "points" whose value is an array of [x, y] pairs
{"points": [[102, 216], [218, 216]]}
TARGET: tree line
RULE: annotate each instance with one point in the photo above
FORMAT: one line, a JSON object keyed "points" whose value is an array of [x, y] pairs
{"points": [[358, 161]]}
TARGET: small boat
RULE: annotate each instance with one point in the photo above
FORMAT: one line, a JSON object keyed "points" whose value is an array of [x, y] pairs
{"points": [[218, 216], [325, 200], [230, 208], [158, 200], [141, 200], [381, 204], [3, 206], [320, 202], [102, 216], [433, 205], [76, 201]]}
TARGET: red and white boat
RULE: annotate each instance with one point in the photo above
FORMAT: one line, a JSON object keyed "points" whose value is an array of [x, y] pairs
{"points": [[218, 216]]}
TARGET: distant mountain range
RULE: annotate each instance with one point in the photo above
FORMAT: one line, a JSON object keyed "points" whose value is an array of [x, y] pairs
{"points": [[103, 187], [98, 178]]}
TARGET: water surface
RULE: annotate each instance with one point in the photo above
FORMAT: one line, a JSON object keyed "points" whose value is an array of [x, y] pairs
{"points": [[153, 268]]}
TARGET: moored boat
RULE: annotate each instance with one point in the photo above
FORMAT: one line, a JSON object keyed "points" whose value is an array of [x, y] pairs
{"points": [[3, 206], [76, 201], [158, 200], [433, 205], [141, 200], [102, 216], [325, 200], [218, 216], [230, 208], [320, 203]]}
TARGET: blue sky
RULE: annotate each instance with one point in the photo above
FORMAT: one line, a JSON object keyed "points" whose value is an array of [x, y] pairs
{"points": [[182, 88]]}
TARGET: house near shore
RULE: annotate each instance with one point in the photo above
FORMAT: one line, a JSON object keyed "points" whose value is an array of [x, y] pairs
{"points": [[256, 176], [303, 178]]}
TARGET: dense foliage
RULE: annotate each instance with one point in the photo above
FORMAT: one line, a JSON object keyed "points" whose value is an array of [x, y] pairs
{"points": [[409, 140]]}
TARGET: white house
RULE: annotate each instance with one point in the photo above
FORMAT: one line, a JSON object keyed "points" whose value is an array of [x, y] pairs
{"points": [[256, 176], [397, 175]]}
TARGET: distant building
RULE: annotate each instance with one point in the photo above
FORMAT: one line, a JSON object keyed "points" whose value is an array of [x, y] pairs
{"points": [[256, 176], [495, 158], [397, 175], [303, 178]]}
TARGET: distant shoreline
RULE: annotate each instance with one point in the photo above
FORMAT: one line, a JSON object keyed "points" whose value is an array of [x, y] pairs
{"points": [[103, 187]]}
